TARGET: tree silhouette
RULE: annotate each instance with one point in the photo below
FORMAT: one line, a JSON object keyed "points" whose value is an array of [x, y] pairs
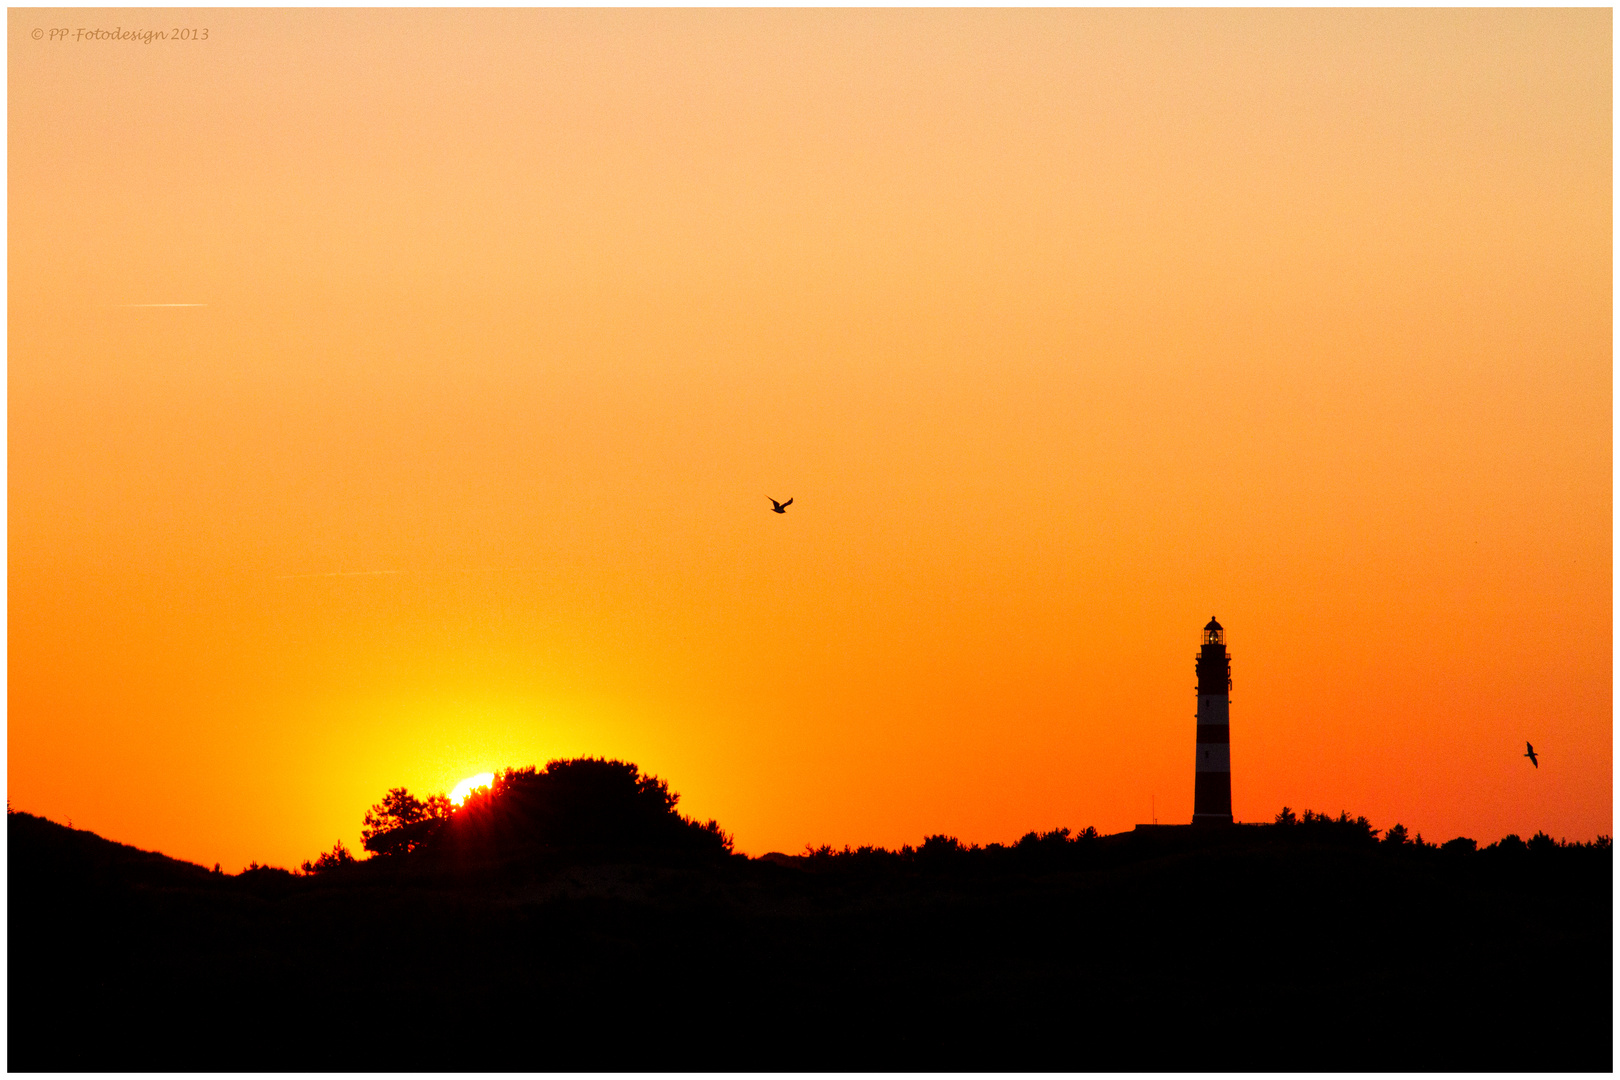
{"points": [[1343, 829], [401, 823], [329, 860], [1054, 839], [581, 803], [939, 848]]}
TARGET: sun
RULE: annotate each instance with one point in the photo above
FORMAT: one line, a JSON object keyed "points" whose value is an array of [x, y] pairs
{"points": [[459, 793]]}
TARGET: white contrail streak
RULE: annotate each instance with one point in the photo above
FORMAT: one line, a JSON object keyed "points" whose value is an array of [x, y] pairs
{"points": [[160, 305]]}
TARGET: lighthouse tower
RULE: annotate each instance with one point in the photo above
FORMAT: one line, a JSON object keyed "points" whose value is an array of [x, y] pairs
{"points": [[1212, 787]]}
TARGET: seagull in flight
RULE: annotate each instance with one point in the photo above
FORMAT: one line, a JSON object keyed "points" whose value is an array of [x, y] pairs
{"points": [[1530, 752], [780, 508]]}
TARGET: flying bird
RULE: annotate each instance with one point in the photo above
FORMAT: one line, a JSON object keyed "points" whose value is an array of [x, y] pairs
{"points": [[1530, 752], [780, 508]]}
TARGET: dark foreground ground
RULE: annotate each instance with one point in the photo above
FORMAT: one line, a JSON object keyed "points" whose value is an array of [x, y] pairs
{"points": [[1247, 948]]}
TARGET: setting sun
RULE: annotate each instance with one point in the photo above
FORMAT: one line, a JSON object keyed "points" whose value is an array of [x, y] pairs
{"points": [[459, 793]]}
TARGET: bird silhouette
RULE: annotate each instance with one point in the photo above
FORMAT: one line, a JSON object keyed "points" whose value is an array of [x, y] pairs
{"points": [[780, 508], [1530, 752]]}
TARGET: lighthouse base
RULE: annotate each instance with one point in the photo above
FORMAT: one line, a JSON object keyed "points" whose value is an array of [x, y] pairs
{"points": [[1212, 798]]}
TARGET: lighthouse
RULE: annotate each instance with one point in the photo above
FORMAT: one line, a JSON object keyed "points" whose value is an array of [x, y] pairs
{"points": [[1212, 785]]}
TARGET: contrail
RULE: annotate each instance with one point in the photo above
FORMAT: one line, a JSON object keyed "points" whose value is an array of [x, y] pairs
{"points": [[160, 305]]}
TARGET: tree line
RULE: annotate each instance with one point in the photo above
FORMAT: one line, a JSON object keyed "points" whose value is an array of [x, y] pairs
{"points": [[607, 804]]}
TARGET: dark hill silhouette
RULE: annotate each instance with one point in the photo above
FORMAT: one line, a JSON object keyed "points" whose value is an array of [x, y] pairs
{"points": [[1308, 943], [67, 856]]}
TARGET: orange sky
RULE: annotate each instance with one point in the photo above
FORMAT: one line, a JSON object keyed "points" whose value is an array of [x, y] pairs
{"points": [[1064, 330]]}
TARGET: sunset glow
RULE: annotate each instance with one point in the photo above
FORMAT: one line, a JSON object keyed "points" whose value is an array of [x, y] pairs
{"points": [[459, 793], [1063, 328]]}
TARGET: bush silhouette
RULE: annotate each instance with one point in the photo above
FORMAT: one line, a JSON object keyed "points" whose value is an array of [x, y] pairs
{"points": [[581, 803], [1343, 829], [577, 803]]}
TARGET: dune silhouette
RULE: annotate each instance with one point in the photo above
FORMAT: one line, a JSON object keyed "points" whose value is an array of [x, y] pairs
{"points": [[568, 917]]}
